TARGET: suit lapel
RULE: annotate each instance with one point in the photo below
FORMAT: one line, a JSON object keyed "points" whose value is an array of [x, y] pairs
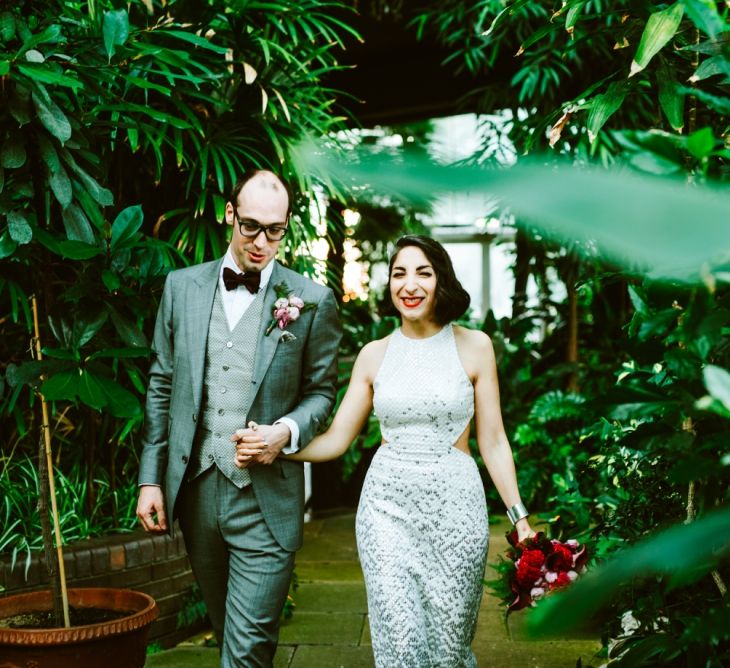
{"points": [[198, 314], [266, 346]]}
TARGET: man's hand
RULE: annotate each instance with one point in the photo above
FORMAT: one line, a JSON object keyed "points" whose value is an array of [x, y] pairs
{"points": [[259, 443], [151, 509]]}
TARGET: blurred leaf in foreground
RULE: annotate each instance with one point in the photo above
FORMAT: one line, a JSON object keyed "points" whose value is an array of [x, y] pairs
{"points": [[684, 553], [661, 226]]}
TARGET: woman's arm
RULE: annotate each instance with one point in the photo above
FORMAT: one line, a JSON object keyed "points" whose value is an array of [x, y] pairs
{"points": [[493, 444], [349, 420]]}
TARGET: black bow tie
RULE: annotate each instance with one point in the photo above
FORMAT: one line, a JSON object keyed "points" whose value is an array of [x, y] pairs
{"points": [[251, 279]]}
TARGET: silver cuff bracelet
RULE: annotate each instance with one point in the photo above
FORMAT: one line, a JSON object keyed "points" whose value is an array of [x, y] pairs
{"points": [[517, 512]]}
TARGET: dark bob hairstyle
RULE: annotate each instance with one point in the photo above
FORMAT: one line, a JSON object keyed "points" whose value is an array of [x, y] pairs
{"points": [[451, 299]]}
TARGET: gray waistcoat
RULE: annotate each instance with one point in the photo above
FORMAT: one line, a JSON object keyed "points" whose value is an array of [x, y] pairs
{"points": [[229, 361]]}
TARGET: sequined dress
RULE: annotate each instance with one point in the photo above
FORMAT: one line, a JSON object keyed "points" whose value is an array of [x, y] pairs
{"points": [[422, 529]]}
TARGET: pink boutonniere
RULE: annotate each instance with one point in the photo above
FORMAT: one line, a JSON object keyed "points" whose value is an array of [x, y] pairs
{"points": [[287, 308]]}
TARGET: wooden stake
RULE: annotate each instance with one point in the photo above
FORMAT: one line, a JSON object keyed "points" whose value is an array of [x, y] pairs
{"points": [[49, 461]]}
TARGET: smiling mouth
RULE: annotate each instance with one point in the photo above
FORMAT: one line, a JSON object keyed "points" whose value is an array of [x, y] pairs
{"points": [[411, 302]]}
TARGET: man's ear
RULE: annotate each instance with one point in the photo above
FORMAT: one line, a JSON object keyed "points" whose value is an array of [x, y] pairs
{"points": [[228, 214]]}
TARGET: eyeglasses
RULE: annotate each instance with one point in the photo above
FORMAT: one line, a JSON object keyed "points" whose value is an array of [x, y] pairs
{"points": [[252, 228]]}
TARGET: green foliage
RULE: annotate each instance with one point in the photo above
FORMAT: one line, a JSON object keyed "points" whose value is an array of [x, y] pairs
{"points": [[642, 87], [154, 648], [586, 65], [86, 508], [122, 130], [193, 609]]}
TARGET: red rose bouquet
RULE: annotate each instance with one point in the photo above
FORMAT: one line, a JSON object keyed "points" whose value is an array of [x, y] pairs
{"points": [[535, 567]]}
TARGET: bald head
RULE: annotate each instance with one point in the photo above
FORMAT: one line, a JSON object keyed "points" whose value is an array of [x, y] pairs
{"points": [[264, 184]]}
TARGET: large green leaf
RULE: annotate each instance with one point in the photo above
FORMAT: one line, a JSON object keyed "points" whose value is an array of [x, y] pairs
{"points": [[711, 67], [61, 186], [701, 143], [50, 34], [63, 385], [7, 245], [634, 220], [659, 29], [47, 74], [19, 228], [48, 152], [128, 331], [98, 193], [12, 154], [77, 225], [116, 30], [604, 106], [126, 225], [196, 40], [99, 391], [717, 382], [677, 552], [78, 250], [704, 14], [671, 98], [50, 115], [27, 373], [716, 102], [85, 330], [7, 26], [111, 280]]}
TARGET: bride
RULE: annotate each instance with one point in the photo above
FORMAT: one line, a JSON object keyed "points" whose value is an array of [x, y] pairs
{"points": [[422, 530]]}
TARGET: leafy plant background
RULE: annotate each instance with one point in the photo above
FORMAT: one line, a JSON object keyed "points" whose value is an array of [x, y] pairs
{"points": [[121, 131], [618, 410]]}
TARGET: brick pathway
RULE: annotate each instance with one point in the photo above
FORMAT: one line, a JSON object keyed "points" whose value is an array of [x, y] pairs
{"points": [[329, 628]]}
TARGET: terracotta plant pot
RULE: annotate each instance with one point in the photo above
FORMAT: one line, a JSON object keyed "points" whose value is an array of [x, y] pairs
{"points": [[119, 643]]}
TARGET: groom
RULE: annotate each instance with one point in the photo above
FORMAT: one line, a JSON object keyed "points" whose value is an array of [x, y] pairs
{"points": [[218, 366]]}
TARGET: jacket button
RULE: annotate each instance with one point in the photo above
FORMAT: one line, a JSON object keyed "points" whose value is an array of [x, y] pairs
{"points": [[185, 459]]}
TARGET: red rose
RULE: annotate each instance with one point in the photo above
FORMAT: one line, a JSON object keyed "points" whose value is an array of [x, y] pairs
{"points": [[562, 558], [530, 567], [561, 581]]}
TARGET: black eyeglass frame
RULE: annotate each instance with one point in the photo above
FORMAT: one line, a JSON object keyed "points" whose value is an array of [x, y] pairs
{"points": [[266, 229]]}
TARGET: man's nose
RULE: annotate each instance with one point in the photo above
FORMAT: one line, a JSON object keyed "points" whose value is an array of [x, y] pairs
{"points": [[260, 239]]}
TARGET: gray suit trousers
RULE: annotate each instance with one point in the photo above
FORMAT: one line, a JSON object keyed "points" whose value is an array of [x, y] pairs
{"points": [[241, 569]]}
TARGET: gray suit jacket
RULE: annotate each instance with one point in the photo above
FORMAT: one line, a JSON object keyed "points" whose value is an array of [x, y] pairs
{"points": [[294, 379]]}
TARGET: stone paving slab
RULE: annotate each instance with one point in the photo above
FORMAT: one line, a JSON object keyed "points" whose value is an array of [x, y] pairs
{"points": [[331, 597], [329, 571], [544, 654], [205, 657], [332, 657], [322, 628]]}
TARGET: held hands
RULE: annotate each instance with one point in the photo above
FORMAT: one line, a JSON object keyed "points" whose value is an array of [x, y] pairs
{"points": [[259, 443]]}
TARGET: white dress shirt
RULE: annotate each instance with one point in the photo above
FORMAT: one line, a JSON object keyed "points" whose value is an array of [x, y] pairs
{"points": [[235, 303]]}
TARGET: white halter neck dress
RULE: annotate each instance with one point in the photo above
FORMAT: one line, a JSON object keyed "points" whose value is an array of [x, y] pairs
{"points": [[422, 530]]}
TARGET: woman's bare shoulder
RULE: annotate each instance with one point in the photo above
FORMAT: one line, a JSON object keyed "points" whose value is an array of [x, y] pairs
{"points": [[473, 340], [371, 356]]}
